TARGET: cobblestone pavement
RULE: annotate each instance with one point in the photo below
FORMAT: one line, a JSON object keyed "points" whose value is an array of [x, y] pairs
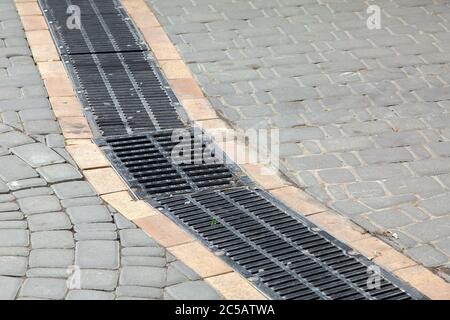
{"points": [[363, 114], [53, 226]]}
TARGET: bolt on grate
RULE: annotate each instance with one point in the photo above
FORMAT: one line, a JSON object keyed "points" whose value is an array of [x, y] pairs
{"points": [[169, 162]]}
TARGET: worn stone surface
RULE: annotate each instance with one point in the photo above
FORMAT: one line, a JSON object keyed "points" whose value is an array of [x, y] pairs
{"points": [[363, 114]]}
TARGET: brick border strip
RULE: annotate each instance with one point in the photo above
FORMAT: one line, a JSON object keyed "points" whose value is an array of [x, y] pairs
{"points": [[202, 114], [100, 174]]}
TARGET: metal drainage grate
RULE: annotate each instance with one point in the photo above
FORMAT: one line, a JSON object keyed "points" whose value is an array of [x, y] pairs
{"points": [[285, 256], [151, 168], [104, 27], [122, 90], [124, 93]]}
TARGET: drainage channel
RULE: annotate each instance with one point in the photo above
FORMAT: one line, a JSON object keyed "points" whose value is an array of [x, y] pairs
{"points": [[142, 129]]}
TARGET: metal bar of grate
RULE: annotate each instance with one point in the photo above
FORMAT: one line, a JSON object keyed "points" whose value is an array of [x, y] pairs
{"points": [[169, 162], [284, 255]]}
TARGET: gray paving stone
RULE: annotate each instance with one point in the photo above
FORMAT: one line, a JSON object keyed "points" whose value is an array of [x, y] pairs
{"points": [[36, 114], [13, 225], [185, 270], [13, 168], [37, 154], [10, 287], [122, 222], [13, 139], [14, 238], [430, 230], [8, 206], [314, 162], [443, 245], [95, 279], [365, 190], [89, 295], [143, 251], [73, 189], [96, 235], [87, 227], [3, 187], [59, 172], [40, 191], [13, 266], [336, 176], [132, 298], [39, 204], [135, 238], [46, 288], [26, 184], [427, 255], [139, 292], [52, 240], [59, 273], [88, 214], [55, 141], [425, 186], [6, 198], [174, 276], [11, 215], [14, 251], [97, 254], [437, 206], [143, 276], [194, 290], [49, 221], [51, 258], [143, 261], [390, 218], [41, 127]]}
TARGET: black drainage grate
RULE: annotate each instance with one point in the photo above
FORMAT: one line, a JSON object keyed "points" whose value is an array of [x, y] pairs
{"points": [[124, 93], [104, 27], [169, 162], [284, 255]]}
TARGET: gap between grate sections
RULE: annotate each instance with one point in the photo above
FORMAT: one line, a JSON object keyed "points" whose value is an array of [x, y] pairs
{"points": [[169, 162], [285, 256]]}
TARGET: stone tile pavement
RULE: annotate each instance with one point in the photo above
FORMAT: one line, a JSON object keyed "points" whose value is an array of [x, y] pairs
{"points": [[58, 240], [363, 113]]}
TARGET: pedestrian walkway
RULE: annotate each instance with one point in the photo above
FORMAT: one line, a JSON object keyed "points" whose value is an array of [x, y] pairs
{"points": [[362, 108], [58, 240]]}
